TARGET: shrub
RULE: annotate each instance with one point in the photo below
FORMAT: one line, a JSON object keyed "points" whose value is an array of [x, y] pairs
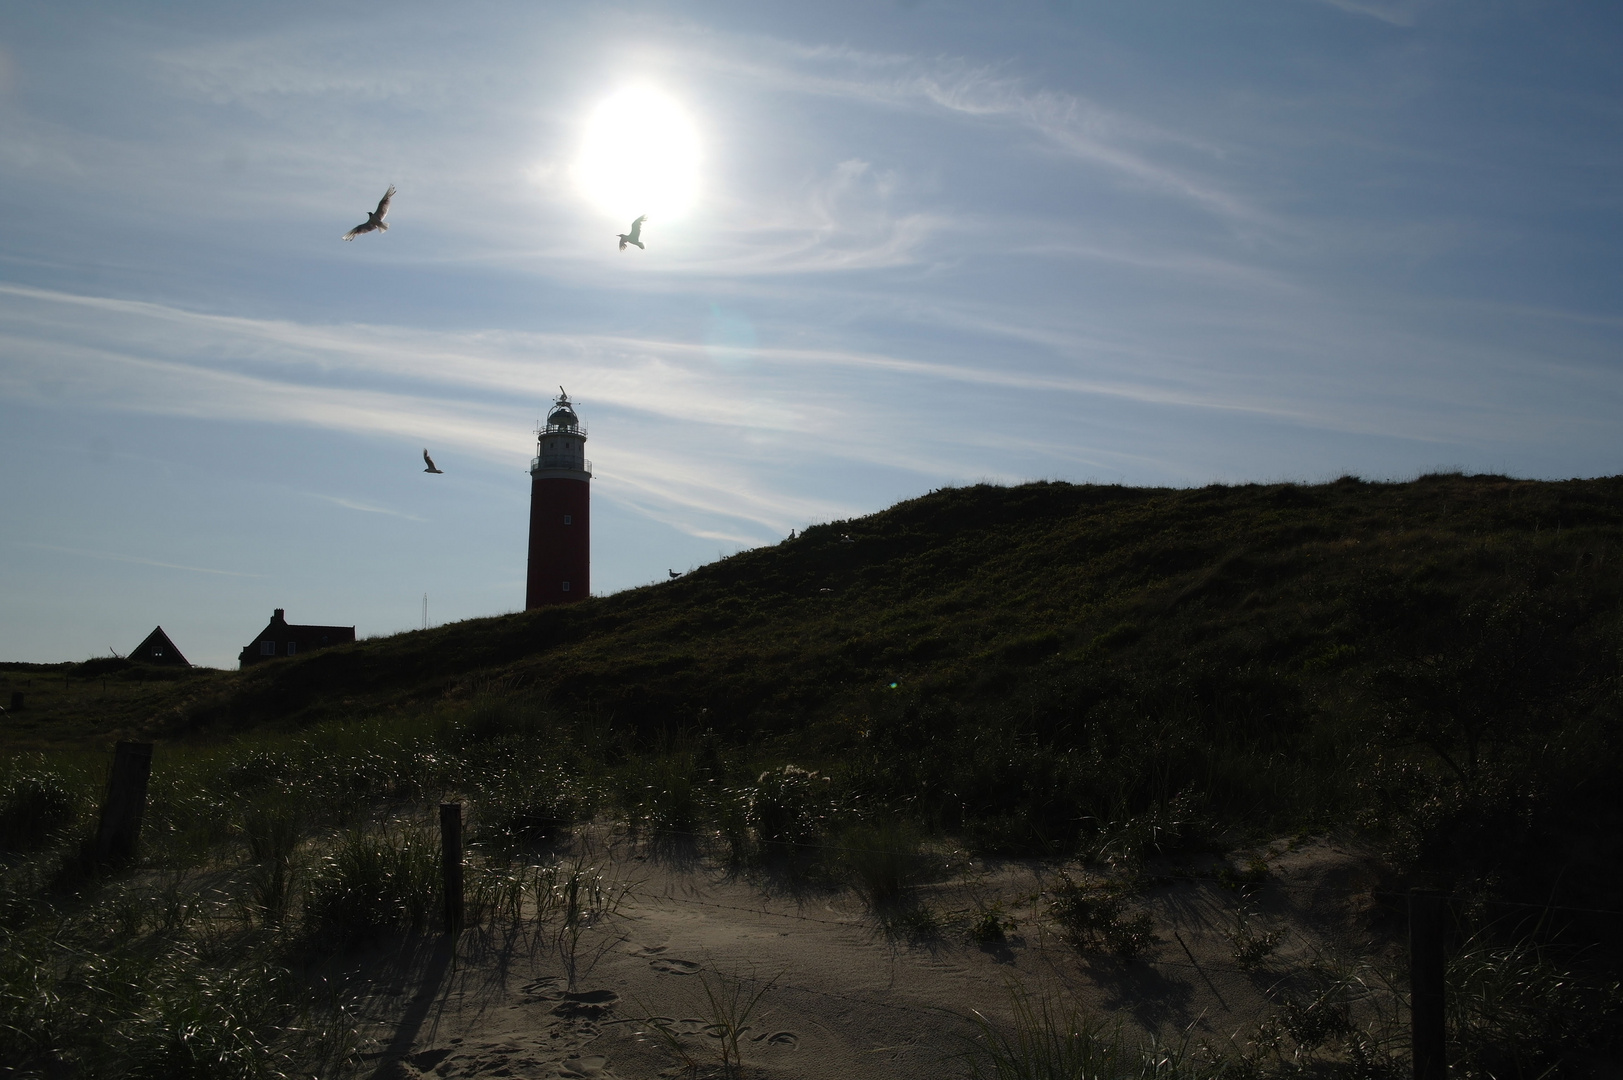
{"points": [[1095, 919], [788, 808], [990, 924], [1250, 948]]}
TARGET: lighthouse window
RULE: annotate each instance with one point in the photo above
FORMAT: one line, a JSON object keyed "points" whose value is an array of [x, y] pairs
{"points": [[566, 586], [568, 520]]}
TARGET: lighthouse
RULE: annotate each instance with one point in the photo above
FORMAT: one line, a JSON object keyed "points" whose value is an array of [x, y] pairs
{"points": [[560, 511]]}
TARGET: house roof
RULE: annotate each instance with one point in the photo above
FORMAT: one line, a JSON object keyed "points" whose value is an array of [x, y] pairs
{"points": [[157, 648], [307, 636]]}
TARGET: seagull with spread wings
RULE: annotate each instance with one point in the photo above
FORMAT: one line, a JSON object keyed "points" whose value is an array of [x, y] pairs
{"points": [[635, 235], [430, 462], [374, 220]]}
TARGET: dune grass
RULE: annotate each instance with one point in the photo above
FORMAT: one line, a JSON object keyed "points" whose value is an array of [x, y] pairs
{"points": [[1051, 1039]]}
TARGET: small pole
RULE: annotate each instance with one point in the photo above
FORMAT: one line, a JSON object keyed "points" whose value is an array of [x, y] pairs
{"points": [[1427, 911], [451, 863], [119, 833]]}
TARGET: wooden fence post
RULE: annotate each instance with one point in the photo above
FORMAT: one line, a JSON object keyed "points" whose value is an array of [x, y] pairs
{"points": [[451, 862], [119, 833], [1427, 910]]}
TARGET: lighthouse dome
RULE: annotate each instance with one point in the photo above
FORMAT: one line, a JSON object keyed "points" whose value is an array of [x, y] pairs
{"points": [[562, 416]]}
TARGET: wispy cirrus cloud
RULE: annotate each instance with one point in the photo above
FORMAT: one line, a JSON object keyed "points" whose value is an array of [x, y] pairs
{"points": [[478, 391], [110, 556], [1394, 14], [308, 63], [1074, 125], [363, 507]]}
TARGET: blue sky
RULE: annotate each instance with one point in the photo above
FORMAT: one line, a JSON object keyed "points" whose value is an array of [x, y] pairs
{"points": [[930, 244]]}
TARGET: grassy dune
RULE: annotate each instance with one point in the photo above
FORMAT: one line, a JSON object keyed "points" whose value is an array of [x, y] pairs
{"points": [[1033, 661], [1049, 670]]}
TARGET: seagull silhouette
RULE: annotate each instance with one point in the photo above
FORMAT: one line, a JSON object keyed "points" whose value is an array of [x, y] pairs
{"points": [[430, 461], [635, 235], [374, 220]]}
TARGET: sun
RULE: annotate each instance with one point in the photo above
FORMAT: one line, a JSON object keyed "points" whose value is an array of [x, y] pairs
{"points": [[640, 156]]}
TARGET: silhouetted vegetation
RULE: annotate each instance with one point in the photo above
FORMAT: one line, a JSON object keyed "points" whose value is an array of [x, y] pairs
{"points": [[1048, 670]]}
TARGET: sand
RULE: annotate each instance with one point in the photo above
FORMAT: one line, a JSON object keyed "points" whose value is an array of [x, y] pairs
{"points": [[838, 996]]}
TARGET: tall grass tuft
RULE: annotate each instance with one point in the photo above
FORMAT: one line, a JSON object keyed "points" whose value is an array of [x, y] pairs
{"points": [[37, 1031], [34, 807], [373, 882], [664, 794], [884, 862], [169, 1013], [1516, 1009], [199, 1024], [273, 835], [581, 898], [505, 892], [1049, 1040], [731, 1004], [518, 811]]}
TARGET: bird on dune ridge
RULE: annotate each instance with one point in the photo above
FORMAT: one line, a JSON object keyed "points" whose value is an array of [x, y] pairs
{"points": [[374, 220], [430, 462], [635, 235]]}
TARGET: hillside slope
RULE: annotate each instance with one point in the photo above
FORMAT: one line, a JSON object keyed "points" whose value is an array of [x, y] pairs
{"points": [[1023, 666], [969, 595]]}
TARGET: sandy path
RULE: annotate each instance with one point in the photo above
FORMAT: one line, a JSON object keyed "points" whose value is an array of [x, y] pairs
{"points": [[845, 999]]}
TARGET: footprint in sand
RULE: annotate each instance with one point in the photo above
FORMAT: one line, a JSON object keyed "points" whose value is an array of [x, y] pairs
{"points": [[593, 1066], [675, 967], [780, 1038], [586, 1005], [428, 1059]]}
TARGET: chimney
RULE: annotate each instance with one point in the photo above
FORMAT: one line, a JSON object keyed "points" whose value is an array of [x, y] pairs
{"points": [[276, 616]]}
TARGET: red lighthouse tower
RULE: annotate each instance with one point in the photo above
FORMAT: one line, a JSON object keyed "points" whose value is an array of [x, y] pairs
{"points": [[560, 511]]}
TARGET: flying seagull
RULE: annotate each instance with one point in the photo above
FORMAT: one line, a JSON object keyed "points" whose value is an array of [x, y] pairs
{"points": [[635, 235], [374, 220], [430, 461]]}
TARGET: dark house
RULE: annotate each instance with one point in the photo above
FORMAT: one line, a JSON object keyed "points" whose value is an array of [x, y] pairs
{"points": [[158, 649], [282, 638]]}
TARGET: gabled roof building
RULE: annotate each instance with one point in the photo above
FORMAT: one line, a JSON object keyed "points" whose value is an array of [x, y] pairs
{"points": [[158, 649], [282, 638]]}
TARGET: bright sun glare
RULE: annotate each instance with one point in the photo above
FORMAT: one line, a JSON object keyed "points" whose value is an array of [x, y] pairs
{"points": [[641, 156]]}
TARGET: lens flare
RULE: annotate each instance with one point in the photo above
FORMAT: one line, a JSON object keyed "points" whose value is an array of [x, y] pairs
{"points": [[640, 156]]}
